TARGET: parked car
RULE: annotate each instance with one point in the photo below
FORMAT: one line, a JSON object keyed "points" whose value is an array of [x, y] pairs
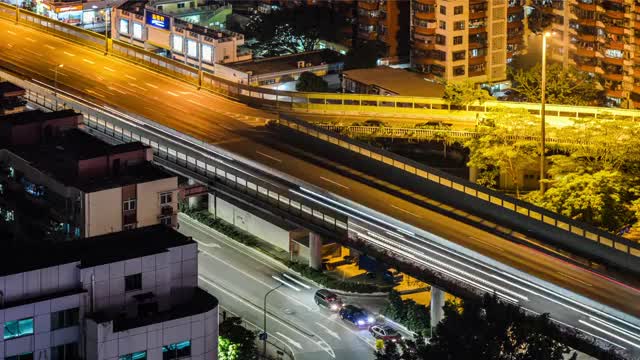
{"points": [[357, 316], [327, 299], [385, 332]]}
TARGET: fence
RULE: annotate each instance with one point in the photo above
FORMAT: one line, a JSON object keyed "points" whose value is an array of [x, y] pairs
{"points": [[533, 212]]}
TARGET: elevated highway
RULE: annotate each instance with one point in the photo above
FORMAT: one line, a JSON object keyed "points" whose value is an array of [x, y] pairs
{"points": [[111, 83]]}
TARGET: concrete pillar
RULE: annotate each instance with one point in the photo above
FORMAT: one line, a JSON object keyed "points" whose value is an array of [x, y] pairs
{"points": [[315, 251], [473, 174], [211, 205], [193, 200], [437, 302]]}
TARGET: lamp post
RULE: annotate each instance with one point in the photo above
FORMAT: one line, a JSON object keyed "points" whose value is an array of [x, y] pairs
{"points": [[55, 79], [543, 88], [264, 310], [107, 25]]}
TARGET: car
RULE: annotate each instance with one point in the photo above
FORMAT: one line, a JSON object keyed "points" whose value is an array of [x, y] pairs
{"points": [[327, 299], [357, 316], [385, 332]]}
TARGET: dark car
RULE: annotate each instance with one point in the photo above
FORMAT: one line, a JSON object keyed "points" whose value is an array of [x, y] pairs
{"points": [[327, 299], [357, 316], [385, 333]]}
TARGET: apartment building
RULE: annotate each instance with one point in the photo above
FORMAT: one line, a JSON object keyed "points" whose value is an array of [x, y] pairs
{"points": [[130, 295], [599, 37], [78, 185], [459, 39], [386, 21]]}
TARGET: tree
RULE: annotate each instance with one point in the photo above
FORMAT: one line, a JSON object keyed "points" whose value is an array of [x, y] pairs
{"points": [[465, 93], [242, 342], [295, 29], [568, 87], [390, 352], [504, 144], [310, 82], [365, 55], [227, 350]]}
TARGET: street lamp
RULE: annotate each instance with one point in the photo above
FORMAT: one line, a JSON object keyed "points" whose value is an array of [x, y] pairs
{"points": [[543, 100], [263, 336], [107, 25], [55, 79]]}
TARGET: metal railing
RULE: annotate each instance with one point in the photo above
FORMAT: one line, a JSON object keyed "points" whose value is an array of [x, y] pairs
{"points": [[468, 188]]}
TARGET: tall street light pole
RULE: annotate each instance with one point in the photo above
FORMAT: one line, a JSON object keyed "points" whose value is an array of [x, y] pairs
{"points": [[542, 110], [263, 336], [107, 25]]}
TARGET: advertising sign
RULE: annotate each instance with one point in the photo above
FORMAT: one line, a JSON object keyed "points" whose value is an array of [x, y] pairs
{"points": [[158, 20]]}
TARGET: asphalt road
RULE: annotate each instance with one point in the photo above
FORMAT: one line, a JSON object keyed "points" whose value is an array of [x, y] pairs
{"points": [[240, 277], [236, 127]]}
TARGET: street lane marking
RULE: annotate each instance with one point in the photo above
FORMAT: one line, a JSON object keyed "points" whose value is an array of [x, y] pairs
{"points": [[30, 39], [130, 77], [95, 93], [89, 61], [108, 68], [269, 156], [329, 331], [151, 85], [291, 341], [118, 90], [406, 211], [212, 245], [11, 32], [137, 86], [333, 182], [574, 279], [172, 93], [49, 47], [486, 243], [194, 102], [68, 53]]}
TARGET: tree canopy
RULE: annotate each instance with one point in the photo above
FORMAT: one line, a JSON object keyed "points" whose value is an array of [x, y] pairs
{"points": [[564, 86], [235, 341], [292, 30], [365, 55], [465, 93], [310, 82]]}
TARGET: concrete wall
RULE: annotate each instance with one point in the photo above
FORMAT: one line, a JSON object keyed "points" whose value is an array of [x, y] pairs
{"points": [[103, 212], [149, 199], [251, 223]]}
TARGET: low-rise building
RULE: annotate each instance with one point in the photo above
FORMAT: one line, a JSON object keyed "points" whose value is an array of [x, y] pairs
{"points": [[282, 72], [384, 80], [11, 98], [127, 295], [137, 23], [85, 186]]}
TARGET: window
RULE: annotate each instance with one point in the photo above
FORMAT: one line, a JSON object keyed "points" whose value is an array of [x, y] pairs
{"points": [[181, 6], [458, 10], [128, 205], [137, 31], [124, 26], [17, 328], [441, 39], [443, 10], [458, 70], [165, 220], [25, 356], [457, 40], [177, 43], [207, 53], [192, 49], [458, 25], [177, 350], [129, 226], [140, 355], [133, 282], [65, 352], [459, 55], [64, 318], [443, 25]]}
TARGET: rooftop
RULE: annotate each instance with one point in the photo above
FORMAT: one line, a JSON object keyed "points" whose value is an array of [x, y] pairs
{"points": [[286, 63], [92, 251], [9, 89], [401, 82], [33, 116]]}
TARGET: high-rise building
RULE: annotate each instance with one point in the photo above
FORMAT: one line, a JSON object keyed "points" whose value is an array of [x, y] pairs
{"points": [[458, 39], [386, 21], [598, 37]]}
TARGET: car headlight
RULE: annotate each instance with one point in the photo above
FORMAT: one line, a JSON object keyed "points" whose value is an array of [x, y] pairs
{"points": [[370, 319], [394, 340], [334, 307], [360, 322]]}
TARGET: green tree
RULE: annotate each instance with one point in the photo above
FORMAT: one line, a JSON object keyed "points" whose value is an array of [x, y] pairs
{"points": [[390, 352], [311, 82], [244, 339], [568, 87], [504, 144], [227, 350], [465, 93], [365, 55]]}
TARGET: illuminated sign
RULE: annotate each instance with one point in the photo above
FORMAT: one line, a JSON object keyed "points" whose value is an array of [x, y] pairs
{"points": [[177, 43], [68, 8], [207, 53], [157, 20], [192, 49], [124, 26], [137, 31]]}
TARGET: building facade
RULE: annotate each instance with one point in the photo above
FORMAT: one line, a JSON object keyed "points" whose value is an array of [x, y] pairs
{"points": [[386, 21], [123, 296], [458, 39]]}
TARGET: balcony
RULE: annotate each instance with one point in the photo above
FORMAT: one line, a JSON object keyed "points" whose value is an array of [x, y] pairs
{"points": [[477, 14], [422, 15], [426, 2], [424, 30], [612, 61], [421, 45], [614, 93], [586, 52], [477, 60], [612, 77], [368, 5]]}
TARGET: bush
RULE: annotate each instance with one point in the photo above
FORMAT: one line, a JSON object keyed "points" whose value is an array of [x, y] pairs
{"points": [[414, 316], [336, 284], [222, 226]]}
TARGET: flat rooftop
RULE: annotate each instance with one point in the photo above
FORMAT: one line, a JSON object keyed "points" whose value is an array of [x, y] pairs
{"points": [[35, 116], [92, 251], [401, 82], [9, 89], [286, 63]]}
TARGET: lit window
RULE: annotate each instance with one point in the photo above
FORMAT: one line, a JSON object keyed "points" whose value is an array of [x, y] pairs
{"points": [[140, 355], [17, 328], [177, 350], [458, 25], [133, 282], [207, 53], [124, 26], [192, 49], [177, 43], [137, 31], [64, 318], [128, 205]]}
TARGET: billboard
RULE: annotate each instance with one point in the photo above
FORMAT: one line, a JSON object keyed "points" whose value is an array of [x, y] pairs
{"points": [[158, 20]]}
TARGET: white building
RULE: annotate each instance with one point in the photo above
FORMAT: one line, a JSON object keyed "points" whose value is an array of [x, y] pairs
{"points": [[131, 295]]}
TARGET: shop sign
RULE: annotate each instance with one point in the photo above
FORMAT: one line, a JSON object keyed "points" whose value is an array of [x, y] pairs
{"points": [[157, 20]]}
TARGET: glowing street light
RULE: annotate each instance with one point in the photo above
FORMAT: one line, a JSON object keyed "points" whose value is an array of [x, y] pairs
{"points": [[543, 100]]}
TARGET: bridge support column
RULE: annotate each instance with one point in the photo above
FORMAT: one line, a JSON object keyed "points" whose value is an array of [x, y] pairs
{"points": [[315, 251], [194, 201], [437, 302]]}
